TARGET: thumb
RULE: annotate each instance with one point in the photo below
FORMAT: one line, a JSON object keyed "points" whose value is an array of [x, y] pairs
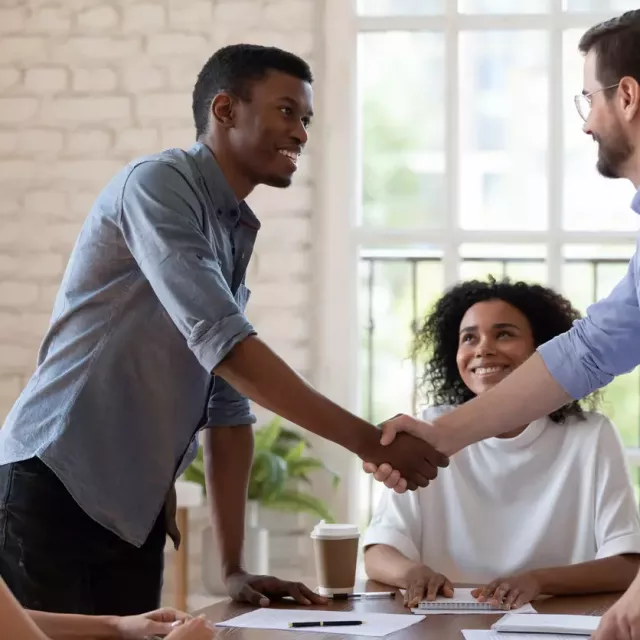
{"points": [[447, 589], [369, 467], [389, 431], [155, 628]]}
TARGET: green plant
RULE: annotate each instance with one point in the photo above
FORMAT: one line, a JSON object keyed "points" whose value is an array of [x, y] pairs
{"points": [[280, 466]]}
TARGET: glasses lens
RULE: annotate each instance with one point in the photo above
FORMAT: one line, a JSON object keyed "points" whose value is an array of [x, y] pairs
{"points": [[583, 106]]}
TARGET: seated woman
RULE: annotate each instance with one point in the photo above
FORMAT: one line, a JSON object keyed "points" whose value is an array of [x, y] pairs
{"points": [[547, 508], [19, 624]]}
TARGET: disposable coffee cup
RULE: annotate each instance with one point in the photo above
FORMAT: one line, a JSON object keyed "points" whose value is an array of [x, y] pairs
{"points": [[335, 548]]}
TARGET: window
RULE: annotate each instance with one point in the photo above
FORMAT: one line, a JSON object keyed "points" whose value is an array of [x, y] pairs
{"points": [[471, 161]]}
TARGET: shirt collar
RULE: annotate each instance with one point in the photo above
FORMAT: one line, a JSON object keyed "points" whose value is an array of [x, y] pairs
{"points": [[635, 203], [215, 181]]}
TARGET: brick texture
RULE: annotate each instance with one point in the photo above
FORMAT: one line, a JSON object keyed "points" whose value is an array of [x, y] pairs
{"points": [[85, 86]]}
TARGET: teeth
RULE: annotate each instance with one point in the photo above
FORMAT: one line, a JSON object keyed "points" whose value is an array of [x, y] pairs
{"points": [[289, 154], [486, 370]]}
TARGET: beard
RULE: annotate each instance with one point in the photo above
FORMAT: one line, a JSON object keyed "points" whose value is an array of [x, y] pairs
{"points": [[613, 153]]}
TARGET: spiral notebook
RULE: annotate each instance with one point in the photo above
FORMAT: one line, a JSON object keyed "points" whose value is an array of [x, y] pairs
{"points": [[464, 602]]}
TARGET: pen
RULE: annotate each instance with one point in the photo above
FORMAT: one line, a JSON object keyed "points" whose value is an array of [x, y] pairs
{"points": [[368, 594], [326, 623]]}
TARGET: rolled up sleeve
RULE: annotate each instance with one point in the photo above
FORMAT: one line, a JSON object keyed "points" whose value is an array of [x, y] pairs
{"points": [[161, 220], [227, 406], [603, 344]]}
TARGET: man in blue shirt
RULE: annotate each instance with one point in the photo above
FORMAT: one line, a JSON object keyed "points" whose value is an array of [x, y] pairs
{"points": [[148, 344], [605, 343]]}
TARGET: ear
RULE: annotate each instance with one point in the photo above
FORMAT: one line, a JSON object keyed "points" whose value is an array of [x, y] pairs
{"points": [[629, 91], [223, 110]]}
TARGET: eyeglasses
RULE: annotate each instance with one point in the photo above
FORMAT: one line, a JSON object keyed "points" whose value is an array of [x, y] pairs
{"points": [[583, 101]]}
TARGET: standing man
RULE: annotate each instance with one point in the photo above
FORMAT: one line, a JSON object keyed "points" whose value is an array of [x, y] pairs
{"points": [[605, 343], [148, 344]]}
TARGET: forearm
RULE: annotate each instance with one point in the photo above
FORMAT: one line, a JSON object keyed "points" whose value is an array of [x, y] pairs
{"points": [[527, 394], [62, 626], [387, 565], [228, 456], [261, 375], [597, 576]]}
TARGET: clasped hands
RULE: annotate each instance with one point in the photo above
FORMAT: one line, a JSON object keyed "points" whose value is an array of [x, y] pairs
{"points": [[409, 456]]}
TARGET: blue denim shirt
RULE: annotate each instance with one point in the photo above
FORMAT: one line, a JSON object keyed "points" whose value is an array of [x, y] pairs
{"points": [[152, 300], [603, 344]]}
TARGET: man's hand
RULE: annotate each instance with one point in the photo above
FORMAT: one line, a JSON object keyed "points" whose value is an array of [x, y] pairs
{"points": [[509, 593], [415, 460], [622, 621], [261, 590], [154, 623], [423, 583], [388, 473]]}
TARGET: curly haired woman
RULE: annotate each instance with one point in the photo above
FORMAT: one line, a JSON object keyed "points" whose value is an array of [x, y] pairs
{"points": [[547, 508]]}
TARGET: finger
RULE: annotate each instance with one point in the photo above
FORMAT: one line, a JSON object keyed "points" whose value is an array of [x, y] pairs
{"points": [[401, 487], [476, 592], [167, 614], [500, 593], [487, 591], [393, 479], [420, 480], [427, 470], [257, 599], [447, 589], [434, 586], [521, 600], [383, 472], [416, 593], [295, 592], [511, 598], [411, 485], [369, 467], [314, 597]]}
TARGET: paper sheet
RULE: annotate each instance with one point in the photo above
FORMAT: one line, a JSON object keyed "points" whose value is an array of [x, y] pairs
{"points": [[461, 597], [475, 634], [375, 624], [553, 623]]}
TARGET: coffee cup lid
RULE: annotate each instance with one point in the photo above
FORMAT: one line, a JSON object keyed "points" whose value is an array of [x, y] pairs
{"points": [[325, 530]]}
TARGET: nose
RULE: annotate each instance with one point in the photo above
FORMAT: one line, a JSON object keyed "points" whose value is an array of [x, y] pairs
{"points": [[485, 347], [301, 135]]}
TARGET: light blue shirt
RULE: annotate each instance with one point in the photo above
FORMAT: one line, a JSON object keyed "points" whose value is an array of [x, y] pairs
{"points": [[152, 300], [603, 344]]}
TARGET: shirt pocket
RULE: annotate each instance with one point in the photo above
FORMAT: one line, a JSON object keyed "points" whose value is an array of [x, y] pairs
{"points": [[242, 297]]}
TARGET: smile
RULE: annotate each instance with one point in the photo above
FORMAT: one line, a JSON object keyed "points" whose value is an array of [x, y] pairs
{"points": [[292, 156], [487, 371]]}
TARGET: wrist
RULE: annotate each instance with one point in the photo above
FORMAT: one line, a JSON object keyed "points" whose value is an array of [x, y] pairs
{"points": [[541, 578], [447, 436], [110, 627], [228, 571]]}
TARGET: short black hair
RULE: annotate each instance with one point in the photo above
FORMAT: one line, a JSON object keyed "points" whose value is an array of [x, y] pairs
{"points": [[616, 43], [234, 68], [436, 342]]}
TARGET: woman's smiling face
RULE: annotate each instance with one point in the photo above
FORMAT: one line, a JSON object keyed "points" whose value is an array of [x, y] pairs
{"points": [[494, 339]]}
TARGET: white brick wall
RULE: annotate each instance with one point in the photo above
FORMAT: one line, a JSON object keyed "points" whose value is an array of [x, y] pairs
{"points": [[87, 85]]}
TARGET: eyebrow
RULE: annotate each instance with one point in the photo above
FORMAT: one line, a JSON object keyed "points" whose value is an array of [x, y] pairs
{"points": [[296, 104], [498, 325]]}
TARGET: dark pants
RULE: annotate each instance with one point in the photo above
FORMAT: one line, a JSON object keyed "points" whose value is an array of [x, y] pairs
{"points": [[54, 557]]}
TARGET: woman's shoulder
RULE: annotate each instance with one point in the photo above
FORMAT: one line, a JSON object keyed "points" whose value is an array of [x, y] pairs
{"points": [[592, 426]]}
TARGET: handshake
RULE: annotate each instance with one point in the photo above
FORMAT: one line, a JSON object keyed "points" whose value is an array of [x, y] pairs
{"points": [[407, 455]]}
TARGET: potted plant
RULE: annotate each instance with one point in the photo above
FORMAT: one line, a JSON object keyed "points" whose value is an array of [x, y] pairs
{"points": [[281, 468]]}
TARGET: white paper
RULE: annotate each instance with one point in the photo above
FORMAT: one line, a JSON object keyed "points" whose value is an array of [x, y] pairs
{"points": [[375, 624], [475, 634], [462, 597], [548, 623]]}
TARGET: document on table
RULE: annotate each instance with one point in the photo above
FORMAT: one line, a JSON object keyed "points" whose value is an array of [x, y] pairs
{"points": [[547, 623], [375, 625], [475, 634], [461, 603]]}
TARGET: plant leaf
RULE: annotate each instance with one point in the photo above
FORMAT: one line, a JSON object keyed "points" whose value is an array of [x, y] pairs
{"points": [[265, 438], [295, 454]]}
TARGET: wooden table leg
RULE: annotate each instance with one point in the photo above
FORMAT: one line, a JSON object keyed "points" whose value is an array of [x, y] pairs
{"points": [[182, 560]]}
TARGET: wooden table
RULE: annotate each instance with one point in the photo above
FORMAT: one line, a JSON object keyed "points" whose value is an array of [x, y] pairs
{"points": [[439, 627]]}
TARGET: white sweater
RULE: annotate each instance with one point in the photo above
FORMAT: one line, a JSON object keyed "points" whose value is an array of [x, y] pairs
{"points": [[557, 494]]}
